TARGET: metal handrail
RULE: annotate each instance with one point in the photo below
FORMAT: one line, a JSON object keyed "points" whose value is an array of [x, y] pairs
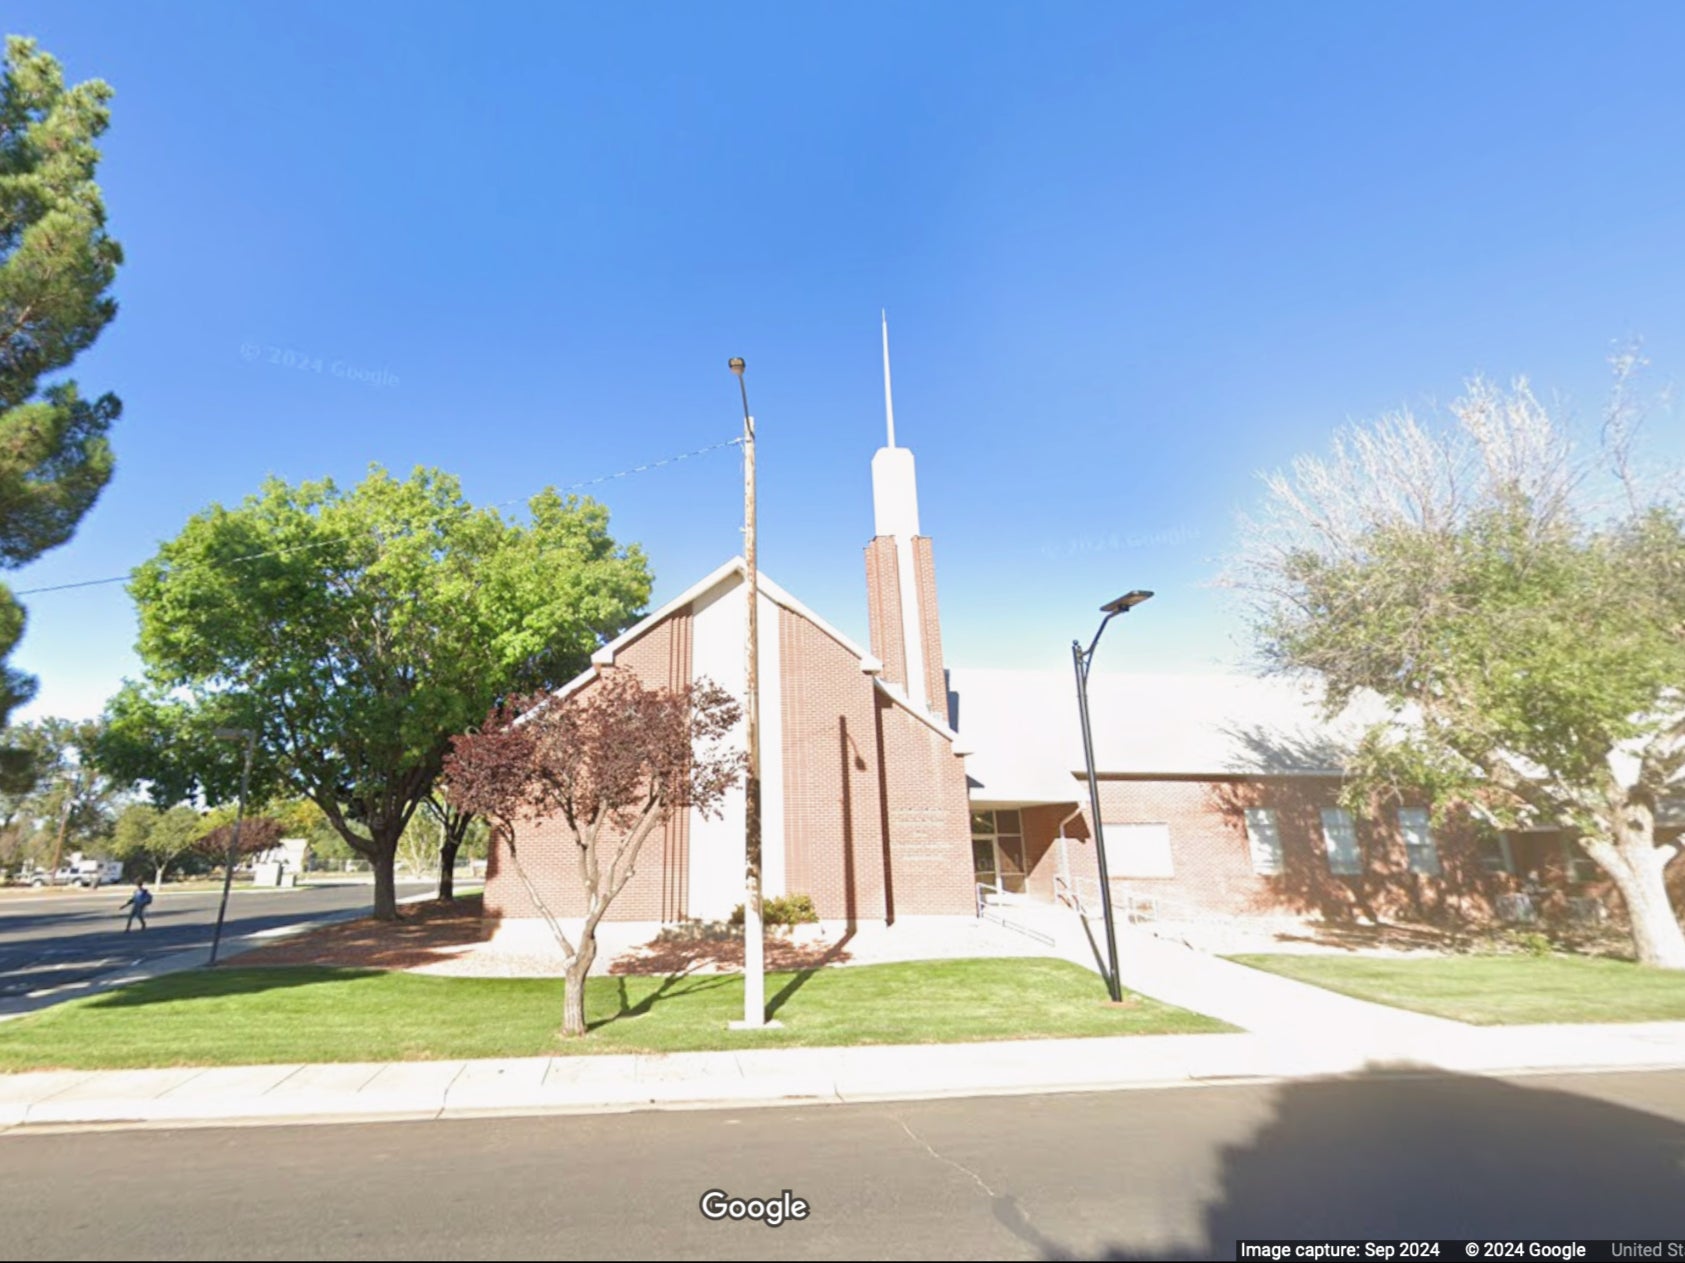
{"points": [[984, 914]]}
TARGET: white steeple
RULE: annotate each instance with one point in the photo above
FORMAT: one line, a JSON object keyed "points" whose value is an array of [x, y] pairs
{"points": [[895, 505], [895, 497], [888, 396]]}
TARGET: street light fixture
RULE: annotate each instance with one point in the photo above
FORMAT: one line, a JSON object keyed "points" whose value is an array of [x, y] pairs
{"points": [[250, 738], [1083, 659]]}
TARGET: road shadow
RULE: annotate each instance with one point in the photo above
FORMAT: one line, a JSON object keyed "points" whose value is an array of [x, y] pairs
{"points": [[1402, 1154], [20, 926]]}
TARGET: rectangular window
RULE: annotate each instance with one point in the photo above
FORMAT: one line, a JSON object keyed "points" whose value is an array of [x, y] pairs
{"points": [[1339, 837], [1581, 867], [1263, 835], [1138, 850], [1494, 852], [1419, 845]]}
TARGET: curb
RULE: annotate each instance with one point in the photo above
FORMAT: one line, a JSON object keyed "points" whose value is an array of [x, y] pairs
{"points": [[43, 1101]]}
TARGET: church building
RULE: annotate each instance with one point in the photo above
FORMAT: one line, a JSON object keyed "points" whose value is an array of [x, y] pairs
{"points": [[893, 785]]}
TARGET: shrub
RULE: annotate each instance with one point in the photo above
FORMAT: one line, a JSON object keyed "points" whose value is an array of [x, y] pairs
{"points": [[782, 910]]}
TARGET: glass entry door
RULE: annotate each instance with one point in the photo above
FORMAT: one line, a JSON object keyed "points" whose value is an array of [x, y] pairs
{"points": [[997, 849]]}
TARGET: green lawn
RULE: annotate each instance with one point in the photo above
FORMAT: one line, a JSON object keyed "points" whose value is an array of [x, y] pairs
{"points": [[257, 1016], [1496, 990]]}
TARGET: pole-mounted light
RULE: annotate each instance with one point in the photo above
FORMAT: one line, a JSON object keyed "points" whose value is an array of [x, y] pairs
{"points": [[1082, 659]]}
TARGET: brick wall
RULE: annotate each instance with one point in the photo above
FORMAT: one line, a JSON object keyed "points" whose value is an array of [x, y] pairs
{"points": [[833, 821], [1041, 848], [883, 608], [935, 681], [1213, 870], [548, 852], [874, 800], [928, 814]]}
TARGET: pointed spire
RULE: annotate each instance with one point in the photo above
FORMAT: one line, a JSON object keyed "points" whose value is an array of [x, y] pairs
{"points": [[888, 398]]}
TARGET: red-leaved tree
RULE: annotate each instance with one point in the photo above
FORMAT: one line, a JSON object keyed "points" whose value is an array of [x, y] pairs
{"points": [[611, 762]]}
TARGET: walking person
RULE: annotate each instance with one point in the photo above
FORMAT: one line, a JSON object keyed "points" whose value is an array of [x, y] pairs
{"points": [[136, 904]]}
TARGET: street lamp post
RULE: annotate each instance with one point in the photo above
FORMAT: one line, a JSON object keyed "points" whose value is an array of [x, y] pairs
{"points": [[1083, 659], [250, 738], [754, 942]]}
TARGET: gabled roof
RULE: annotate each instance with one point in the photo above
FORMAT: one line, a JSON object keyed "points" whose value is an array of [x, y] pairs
{"points": [[732, 572]]}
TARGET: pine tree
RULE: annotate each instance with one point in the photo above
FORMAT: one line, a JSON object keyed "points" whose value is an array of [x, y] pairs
{"points": [[56, 264]]}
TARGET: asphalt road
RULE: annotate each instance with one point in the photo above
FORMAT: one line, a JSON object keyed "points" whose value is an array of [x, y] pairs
{"points": [[1176, 1174], [55, 943]]}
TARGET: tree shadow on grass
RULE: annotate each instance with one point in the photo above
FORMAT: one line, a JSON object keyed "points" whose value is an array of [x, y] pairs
{"points": [[220, 983], [1403, 1154], [836, 953], [698, 951], [672, 987]]}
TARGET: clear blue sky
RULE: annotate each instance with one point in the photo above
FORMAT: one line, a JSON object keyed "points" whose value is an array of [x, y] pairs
{"points": [[1132, 255]]}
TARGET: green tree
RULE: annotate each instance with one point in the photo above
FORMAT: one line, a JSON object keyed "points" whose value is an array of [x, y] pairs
{"points": [[438, 833], [74, 803], [145, 835], [56, 264], [1519, 604], [23, 768], [356, 633]]}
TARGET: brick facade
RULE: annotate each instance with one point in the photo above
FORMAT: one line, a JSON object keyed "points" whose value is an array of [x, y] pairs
{"points": [[1214, 873], [1213, 868], [883, 608], [875, 808], [875, 813], [548, 852], [935, 683]]}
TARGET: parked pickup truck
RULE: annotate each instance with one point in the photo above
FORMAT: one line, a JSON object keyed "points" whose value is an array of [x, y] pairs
{"points": [[86, 873]]}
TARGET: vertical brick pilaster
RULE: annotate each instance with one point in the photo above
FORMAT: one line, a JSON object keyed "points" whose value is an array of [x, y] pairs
{"points": [[935, 682], [883, 609]]}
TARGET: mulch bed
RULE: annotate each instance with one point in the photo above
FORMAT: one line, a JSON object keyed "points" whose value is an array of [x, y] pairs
{"points": [[430, 933], [423, 934], [679, 954]]}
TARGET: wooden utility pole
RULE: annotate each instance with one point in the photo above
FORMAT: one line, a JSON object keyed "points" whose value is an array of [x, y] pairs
{"points": [[754, 941]]}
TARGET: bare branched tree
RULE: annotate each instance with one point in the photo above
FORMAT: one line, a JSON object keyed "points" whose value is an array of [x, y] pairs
{"points": [[1520, 603], [610, 762]]}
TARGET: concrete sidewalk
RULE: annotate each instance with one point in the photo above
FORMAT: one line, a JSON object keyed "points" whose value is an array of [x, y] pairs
{"points": [[620, 1082]]}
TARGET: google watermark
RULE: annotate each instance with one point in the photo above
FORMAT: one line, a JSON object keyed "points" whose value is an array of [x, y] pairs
{"points": [[717, 1204], [1116, 542], [255, 352]]}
